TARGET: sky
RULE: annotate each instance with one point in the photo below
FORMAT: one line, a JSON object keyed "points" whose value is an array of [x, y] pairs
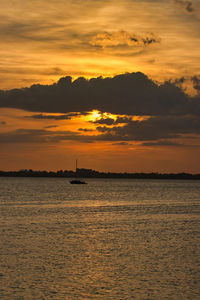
{"points": [[115, 84]]}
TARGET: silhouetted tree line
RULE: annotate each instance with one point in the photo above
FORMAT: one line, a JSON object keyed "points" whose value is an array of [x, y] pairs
{"points": [[89, 173]]}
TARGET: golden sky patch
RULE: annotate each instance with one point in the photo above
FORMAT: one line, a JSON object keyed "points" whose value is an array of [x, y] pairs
{"points": [[38, 37]]}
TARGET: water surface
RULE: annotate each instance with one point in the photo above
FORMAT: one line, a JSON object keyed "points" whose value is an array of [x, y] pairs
{"points": [[109, 239]]}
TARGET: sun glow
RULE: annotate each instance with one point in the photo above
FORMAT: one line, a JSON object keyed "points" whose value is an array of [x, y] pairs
{"points": [[96, 115]]}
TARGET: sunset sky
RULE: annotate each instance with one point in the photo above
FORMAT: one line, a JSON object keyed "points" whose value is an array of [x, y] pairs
{"points": [[113, 83]]}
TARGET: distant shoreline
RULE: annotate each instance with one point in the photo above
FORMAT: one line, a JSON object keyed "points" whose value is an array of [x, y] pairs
{"points": [[88, 173]]}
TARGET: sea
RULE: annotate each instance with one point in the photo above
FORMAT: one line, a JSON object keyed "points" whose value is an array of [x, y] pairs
{"points": [[108, 239]]}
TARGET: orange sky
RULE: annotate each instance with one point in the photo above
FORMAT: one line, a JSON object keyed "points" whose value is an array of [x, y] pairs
{"points": [[136, 123]]}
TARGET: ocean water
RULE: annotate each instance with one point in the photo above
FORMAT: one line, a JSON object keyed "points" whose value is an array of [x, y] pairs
{"points": [[109, 239]]}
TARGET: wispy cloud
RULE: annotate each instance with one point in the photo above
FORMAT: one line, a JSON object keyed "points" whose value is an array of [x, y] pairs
{"points": [[123, 38], [184, 4], [122, 144], [54, 117], [164, 143], [51, 126], [85, 129], [23, 135]]}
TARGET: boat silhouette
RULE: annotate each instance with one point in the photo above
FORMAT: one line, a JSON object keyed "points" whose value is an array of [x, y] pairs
{"points": [[77, 181]]}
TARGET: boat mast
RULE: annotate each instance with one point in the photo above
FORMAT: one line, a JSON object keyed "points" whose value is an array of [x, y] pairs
{"points": [[76, 165]]}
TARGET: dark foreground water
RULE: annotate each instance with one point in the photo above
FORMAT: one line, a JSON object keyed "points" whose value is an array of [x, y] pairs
{"points": [[109, 239]]}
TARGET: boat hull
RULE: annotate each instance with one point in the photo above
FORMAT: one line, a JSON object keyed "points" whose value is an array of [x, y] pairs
{"points": [[77, 182]]}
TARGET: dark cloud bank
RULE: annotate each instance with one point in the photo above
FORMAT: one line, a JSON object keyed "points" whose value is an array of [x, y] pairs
{"points": [[173, 114], [131, 93]]}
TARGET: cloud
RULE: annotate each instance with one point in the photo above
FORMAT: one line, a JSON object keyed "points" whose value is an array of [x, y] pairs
{"points": [[54, 117], [155, 128], [2, 123], [123, 38], [38, 136], [196, 83], [130, 93], [51, 126], [107, 121], [122, 144], [155, 131], [186, 5], [54, 71], [85, 129], [110, 121], [24, 136], [165, 143], [14, 30]]}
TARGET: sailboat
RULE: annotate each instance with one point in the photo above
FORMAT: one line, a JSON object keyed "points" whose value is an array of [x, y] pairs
{"points": [[77, 181]]}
